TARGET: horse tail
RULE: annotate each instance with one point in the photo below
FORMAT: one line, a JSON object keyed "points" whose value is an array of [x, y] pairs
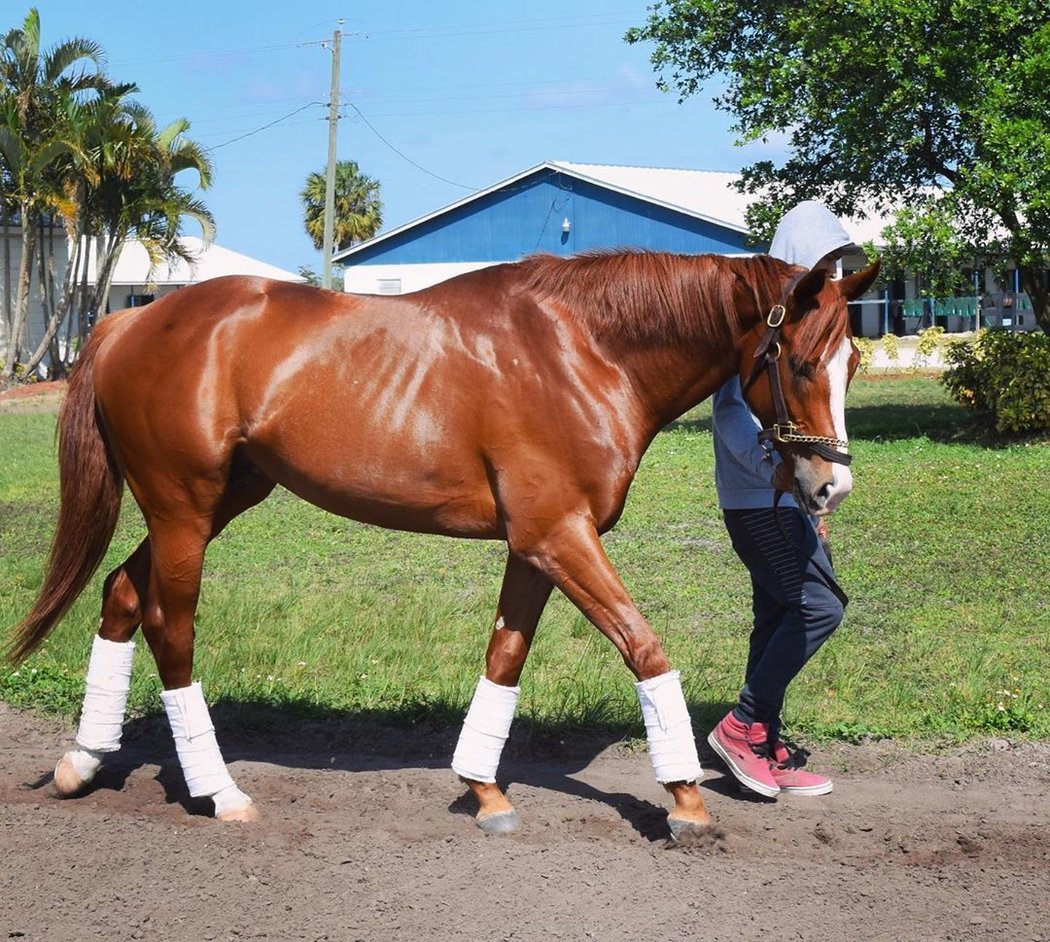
{"points": [[90, 487]]}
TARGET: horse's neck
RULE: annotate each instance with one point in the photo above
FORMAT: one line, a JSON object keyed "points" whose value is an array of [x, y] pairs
{"points": [[671, 378], [670, 381]]}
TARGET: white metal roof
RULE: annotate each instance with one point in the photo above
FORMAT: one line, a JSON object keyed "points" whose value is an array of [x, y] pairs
{"points": [[705, 194], [210, 261]]}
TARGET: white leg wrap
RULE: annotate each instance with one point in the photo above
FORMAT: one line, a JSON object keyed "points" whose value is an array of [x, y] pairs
{"points": [[672, 747], [202, 765], [106, 696], [485, 730]]}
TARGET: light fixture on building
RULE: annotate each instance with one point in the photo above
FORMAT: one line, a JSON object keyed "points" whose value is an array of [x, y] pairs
{"points": [[566, 225]]}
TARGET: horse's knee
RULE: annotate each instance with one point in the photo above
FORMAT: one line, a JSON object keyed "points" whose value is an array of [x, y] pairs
{"points": [[644, 655]]}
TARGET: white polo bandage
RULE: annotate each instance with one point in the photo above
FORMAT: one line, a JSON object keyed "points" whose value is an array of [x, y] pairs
{"points": [[202, 765], [672, 747], [106, 695], [485, 730]]}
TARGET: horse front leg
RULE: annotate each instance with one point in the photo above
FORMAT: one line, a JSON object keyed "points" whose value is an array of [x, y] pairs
{"points": [[487, 725], [572, 555], [108, 675]]}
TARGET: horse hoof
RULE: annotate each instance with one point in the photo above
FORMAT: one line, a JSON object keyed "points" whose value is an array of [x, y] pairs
{"points": [[68, 781], [499, 822], [247, 813], [708, 835]]}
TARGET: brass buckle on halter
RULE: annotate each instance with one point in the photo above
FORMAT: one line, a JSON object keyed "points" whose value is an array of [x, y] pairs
{"points": [[779, 312], [785, 432]]}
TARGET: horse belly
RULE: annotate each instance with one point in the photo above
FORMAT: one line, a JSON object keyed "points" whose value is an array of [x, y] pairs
{"points": [[430, 489]]}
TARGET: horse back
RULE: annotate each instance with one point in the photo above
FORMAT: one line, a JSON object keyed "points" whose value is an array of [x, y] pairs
{"points": [[415, 412]]}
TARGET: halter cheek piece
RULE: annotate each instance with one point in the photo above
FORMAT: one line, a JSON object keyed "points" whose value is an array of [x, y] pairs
{"points": [[767, 354]]}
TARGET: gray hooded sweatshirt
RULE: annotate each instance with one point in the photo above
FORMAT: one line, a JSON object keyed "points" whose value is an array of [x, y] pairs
{"points": [[743, 468]]}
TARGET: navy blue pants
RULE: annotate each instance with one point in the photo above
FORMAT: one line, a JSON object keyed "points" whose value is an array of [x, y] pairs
{"points": [[795, 610]]}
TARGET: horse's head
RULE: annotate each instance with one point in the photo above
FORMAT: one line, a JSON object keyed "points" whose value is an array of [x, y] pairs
{"points": [[795, 368]]}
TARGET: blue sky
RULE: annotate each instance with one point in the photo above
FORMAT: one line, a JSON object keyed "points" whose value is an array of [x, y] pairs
{"points": [[438, 99]]}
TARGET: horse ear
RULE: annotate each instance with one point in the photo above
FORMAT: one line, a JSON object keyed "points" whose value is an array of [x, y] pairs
{"points": [[806, 288], [853, 286]]}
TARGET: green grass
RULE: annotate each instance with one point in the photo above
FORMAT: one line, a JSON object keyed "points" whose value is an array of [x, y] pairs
{"points": [[942, 547]]}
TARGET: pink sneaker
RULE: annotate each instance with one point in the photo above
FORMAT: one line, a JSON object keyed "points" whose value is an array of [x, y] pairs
{"points": [[744, 748], [792, 778]]}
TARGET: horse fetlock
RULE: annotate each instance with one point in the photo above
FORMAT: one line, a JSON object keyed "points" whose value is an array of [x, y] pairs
{"points": [[198, 751], [669, 730], [688, 803], [485, 731]]}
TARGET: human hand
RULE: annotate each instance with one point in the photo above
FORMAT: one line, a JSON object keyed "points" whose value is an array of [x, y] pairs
{"points": [[822, 528]]}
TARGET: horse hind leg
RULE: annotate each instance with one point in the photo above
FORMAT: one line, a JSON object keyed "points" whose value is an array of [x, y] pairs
{"points": [[174, 586], [487, 725], [108, 675], [124, 598]]}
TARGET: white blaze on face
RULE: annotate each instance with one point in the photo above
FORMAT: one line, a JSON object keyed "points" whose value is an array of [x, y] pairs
{"points": [[838, 377]]}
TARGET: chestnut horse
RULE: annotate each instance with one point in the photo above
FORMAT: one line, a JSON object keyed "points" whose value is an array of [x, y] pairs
{"points": [[512, 403]]}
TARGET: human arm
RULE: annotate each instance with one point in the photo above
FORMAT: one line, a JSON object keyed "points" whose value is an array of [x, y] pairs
{"points": [[736, 432]]}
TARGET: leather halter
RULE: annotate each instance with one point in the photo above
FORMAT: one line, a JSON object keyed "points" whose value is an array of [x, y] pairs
{"points": [[767, 355]]}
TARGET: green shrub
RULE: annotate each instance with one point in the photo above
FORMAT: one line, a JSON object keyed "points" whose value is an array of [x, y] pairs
{"points": [[1005, 375], [891, 343]]}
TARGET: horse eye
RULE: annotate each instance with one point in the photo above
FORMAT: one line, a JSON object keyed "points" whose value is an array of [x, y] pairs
{"points": [[800, 368]]}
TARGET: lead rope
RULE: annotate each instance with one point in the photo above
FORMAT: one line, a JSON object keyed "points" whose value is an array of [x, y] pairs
{"points": [[829, 579]]}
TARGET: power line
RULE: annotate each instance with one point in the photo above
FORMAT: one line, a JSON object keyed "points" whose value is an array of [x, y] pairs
{"points": [[405, 157], [423, 32], [185, 57], [508, 26], [620, 103], [264, 127]]}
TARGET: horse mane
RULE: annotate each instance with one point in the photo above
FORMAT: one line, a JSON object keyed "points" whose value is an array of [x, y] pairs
{"points": [[643, 296]]}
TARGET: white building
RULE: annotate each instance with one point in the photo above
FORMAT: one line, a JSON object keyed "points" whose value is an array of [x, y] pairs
{"points": [[133, 281]]}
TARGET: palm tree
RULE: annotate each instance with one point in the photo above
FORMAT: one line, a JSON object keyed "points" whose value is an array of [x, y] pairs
{"points": [[75, 147], [39, 91], [138, 194], [358, 209]]}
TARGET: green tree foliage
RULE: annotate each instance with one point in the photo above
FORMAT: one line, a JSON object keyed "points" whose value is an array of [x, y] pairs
{"points": [[76, 150], [879, 102], [39, 90], [924, 239], [358, 209]]}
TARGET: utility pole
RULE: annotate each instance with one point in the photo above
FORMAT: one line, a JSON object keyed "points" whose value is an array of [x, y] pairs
{"points": [[329, 187]]}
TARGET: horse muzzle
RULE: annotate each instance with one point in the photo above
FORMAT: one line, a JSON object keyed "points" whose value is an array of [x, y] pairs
{"points": [[820, 486]]}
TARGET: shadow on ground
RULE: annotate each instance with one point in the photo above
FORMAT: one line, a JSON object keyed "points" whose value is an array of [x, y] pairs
{"points": [[537, 754]]}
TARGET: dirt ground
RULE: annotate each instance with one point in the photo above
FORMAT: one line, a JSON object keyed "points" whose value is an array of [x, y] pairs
{"points": [[368, 835]]}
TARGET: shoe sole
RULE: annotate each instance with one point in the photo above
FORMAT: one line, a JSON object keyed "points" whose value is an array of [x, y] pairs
{"points": [[769, 791], [812, 791]]}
